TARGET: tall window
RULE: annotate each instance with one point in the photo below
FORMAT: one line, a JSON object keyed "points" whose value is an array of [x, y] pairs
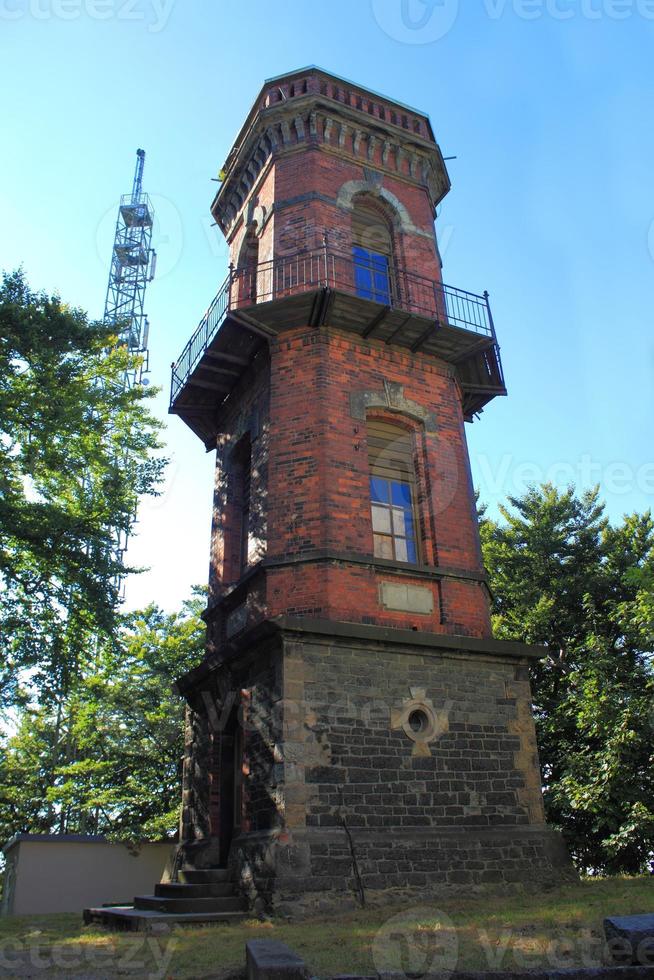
{"points": [[242, 493], [247, 269], [372, 252], [392, 491]]}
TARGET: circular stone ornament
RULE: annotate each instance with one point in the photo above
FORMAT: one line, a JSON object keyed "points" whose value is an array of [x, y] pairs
{"points": [[420, 721]]}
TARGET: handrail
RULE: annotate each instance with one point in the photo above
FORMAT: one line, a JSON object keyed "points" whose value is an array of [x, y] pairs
{"points": [[200, 340], [298, 272]]}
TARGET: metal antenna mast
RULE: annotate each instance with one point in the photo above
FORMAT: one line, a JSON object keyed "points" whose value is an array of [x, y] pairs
{"points": [[133, 262]]}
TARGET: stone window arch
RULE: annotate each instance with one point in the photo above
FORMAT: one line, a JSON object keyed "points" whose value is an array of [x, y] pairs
{"points": [[373, 188]]}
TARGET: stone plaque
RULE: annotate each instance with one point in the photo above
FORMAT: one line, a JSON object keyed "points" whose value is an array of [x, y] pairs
{"points": [[407, 598]]}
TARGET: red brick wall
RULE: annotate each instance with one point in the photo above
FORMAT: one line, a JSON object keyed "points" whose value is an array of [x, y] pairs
{"points": [[318, 489], [312, 466], [310, 486]]}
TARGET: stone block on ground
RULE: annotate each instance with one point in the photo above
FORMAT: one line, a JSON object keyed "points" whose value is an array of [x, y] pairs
{"points": [[631, 939], [268, 959]]}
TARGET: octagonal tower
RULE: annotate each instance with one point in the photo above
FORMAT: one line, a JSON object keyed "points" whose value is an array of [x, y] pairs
{"points": [[353, 718]]}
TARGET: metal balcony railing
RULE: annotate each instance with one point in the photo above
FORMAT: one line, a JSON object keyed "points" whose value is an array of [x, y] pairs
{"points": [[302, 272]]}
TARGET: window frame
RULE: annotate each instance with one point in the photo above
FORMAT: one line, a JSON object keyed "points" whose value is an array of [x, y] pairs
{"points": [[247, 269], [373, 252], [410, 535], [382, 470], [377, 268]]}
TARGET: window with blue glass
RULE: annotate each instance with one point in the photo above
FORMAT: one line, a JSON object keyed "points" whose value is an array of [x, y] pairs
{"points": [[371, 275], [392, 492], [393, 524], [372, 250]]}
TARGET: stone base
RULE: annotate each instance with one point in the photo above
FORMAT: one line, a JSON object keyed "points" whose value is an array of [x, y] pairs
{"points": [[424, 744], [313, 870]]}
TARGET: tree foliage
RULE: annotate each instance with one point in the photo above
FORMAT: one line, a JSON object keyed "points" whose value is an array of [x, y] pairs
{"points": [[78, 450], [564, 577], [126, 728]]}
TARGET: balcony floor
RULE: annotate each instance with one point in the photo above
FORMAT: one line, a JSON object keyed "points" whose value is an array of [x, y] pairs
{"points": [[247, 329]]}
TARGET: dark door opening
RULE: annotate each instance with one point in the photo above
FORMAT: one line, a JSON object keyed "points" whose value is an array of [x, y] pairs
{"points": [[227, 776]]}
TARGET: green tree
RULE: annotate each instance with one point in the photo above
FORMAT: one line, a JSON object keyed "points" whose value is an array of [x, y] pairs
{"points": [[564, 577], [26, 772], [127, 725], [78, 451]]}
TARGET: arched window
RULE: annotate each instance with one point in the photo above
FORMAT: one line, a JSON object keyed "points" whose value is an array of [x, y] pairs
{"points": [[392, 491], [372, 252], [242, 481], [247, 269]]}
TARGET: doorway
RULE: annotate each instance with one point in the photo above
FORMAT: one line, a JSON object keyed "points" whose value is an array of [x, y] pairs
{"points": [[227, 778]]}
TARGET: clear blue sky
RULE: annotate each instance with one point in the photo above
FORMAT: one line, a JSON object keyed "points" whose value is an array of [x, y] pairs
{"points": [[546, 103]]}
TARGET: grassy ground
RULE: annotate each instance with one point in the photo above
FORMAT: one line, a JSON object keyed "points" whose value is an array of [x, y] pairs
{"points": [[557, 929]]}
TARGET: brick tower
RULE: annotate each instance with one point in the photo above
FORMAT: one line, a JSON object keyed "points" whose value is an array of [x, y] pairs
{"points": [[353, 715]]}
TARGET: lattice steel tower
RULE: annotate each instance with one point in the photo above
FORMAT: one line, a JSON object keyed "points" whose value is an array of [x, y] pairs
{"points": [[133, 263]]}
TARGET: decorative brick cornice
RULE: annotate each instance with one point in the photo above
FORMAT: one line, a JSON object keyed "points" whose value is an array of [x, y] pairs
{"points": [[376, 132]]}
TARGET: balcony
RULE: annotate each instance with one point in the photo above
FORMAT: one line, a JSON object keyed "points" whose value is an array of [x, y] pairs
{"points": [[338, 289]]}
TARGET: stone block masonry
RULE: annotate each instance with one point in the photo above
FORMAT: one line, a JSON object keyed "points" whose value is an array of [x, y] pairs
{"points": [[464, 814]]}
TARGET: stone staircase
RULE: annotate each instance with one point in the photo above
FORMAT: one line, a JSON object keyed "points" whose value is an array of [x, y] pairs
{"points": [[206, 895]]}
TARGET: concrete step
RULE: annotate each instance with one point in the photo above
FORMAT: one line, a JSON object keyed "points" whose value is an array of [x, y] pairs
{"points": [[195, 876], [210, 889], [176, 905], [144, 920]]}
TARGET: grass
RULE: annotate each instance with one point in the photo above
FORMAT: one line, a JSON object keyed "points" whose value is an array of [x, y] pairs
{"points": [[558, 928]]}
